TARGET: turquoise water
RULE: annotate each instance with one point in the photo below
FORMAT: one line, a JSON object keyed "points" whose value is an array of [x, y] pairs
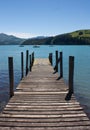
{"points": [[81, 72]]}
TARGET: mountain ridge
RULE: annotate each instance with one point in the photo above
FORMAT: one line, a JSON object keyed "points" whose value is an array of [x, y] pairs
{"points": [[10, 39], [78, 37]]}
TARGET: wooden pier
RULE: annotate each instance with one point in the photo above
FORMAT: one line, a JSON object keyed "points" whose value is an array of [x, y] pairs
{"points": [[39, 103]]}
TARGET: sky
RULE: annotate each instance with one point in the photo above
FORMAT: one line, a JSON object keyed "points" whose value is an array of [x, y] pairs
{"points": [[31, 18]]}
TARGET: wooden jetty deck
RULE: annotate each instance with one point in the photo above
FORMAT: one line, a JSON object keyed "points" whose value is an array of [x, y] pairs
{"points": [[39, 104]]}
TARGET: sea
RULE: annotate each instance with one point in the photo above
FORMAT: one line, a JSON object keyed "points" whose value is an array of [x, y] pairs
{"points": [[81, 68]]}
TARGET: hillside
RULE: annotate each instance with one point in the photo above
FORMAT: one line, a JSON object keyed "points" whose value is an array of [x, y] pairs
{"points": [[80, 37], [81, 33], [9, 40], [38, 41]]}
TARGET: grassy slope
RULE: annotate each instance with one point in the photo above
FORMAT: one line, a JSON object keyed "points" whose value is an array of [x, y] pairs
{"points": [[80, 37], [85, 33]]}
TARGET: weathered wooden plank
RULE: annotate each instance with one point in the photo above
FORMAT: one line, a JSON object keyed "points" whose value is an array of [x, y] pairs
{"points": [[40, 107], [43, 103], [46, 128], [43, 116], [39, 104], [26, 119], [54, 124], [42, 112]]}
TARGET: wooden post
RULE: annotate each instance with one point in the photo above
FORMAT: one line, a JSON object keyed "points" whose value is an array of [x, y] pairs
{"points": [[50, 58], [56, 61], [61, 64], [27, 54], [11, 76], [71, 73], [30, 68], [22, 65], [32, 58]]}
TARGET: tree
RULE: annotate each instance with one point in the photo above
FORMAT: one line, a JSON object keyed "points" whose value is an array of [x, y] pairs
{"points": [[80, 33]]}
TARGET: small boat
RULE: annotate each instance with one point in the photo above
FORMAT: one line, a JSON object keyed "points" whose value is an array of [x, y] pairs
{"points": [[36, 46]]}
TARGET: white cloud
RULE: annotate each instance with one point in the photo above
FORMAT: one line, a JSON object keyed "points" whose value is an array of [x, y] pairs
{"points": [[21, 35], [25, 35]]}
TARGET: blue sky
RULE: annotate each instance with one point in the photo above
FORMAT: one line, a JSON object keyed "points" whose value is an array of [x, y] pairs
{"points": [[28, 18]]}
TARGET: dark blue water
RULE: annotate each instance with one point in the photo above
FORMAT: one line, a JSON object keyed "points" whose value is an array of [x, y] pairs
{"points": [[81, 72]]}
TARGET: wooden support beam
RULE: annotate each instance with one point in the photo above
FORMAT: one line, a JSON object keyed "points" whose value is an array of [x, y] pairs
{"points": [[11, 76], [71, 74], [22, 65], [50, 58], [27, 54], [32, 58], [61, 64], [56, 61], [30, 68]]}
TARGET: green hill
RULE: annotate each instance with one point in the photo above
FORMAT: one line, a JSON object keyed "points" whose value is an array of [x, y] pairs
{"points": [[81, 33], [80, 37]]}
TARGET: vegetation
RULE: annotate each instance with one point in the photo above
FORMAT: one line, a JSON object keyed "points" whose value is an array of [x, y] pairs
{"points": [[38, 41], [80, 37]]}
